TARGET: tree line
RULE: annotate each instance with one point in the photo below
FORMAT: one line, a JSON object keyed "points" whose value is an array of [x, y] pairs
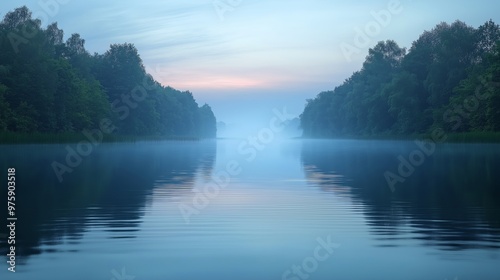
{"points": [[49, 85], [448, 79]]}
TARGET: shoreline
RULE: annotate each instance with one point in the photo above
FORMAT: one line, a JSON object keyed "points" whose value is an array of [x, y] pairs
{"points": [[465, 137], [11, 138]]}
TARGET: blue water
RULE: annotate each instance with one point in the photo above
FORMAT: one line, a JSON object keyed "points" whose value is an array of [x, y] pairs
{"points": [[290, 209]]}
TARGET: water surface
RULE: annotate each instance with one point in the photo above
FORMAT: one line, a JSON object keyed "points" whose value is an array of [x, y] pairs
{"points": [[118, 214]]}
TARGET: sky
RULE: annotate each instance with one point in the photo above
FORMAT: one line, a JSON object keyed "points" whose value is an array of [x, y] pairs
{"points": [[248, 57]]}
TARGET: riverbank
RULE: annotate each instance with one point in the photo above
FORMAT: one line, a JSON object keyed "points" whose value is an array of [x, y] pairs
{"points": [[72, 137], [466, 137], [474, 137]]}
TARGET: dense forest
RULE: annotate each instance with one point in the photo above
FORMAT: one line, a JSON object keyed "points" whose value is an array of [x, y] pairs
{"points": [[49, 85], [448, 79]]}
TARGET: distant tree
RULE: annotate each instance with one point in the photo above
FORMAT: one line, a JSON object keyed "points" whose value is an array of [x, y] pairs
{"points": [[75, 45], [487, 36], [208, 127], [18, 18], [54, 34]]}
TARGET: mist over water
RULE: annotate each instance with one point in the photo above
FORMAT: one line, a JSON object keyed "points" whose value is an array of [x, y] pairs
{"points": [[153, 210], [268, 124]]}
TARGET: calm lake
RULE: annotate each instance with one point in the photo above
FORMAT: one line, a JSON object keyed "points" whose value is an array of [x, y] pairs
{"points": [[291, 209]]}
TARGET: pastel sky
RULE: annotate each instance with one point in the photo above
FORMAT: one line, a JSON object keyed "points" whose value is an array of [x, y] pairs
{"points": [[246, 57]]}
